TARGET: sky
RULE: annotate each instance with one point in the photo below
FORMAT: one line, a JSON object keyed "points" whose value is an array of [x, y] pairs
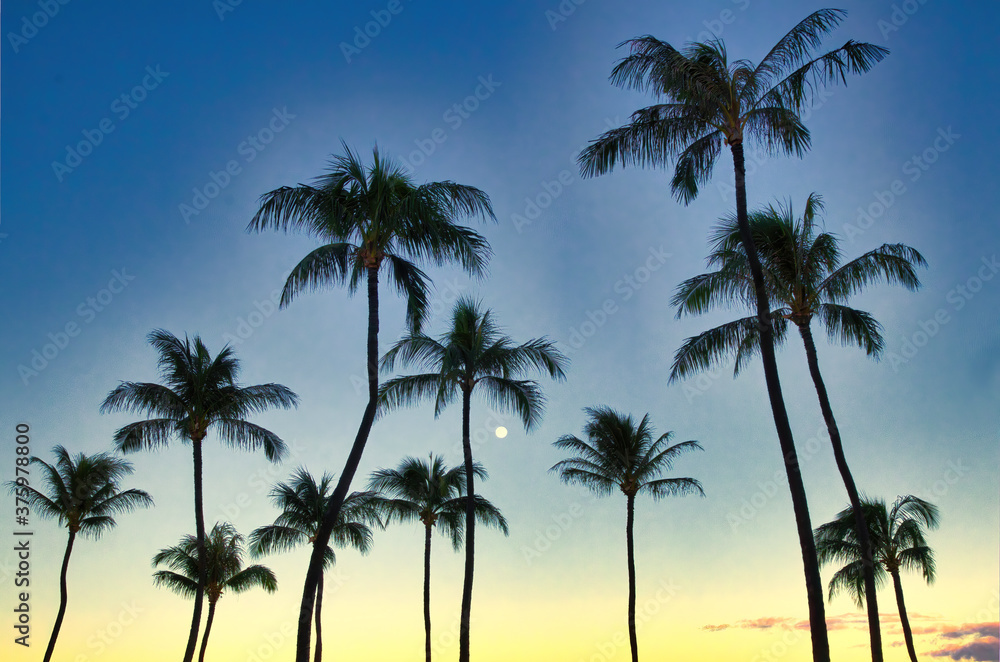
{"points": [[137, 138]]}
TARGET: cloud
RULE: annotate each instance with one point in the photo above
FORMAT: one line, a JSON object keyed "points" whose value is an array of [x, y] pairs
{"points": [[983, 649], [971, 629], [717, 628]]}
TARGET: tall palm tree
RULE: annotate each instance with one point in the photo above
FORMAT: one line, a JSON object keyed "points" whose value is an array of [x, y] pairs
{"points": [[434, 494], [708, 101], [473, 352], [199, 392], [224, 571], [303, 501], [370, 218], [620, 453], [897, 538], [805, 281], [83, 493]]}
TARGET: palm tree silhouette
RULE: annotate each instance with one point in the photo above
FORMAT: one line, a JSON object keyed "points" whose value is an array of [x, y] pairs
{"points": [[303, 501], [224, 571], [431, 492], [619, 453], [371, 217], [805, 281], [200, 392], [473, 352], [83, 493], [708, 101], [897, 538]]}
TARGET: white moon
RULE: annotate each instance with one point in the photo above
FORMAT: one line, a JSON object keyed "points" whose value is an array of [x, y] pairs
{"points": [[501, 432]]}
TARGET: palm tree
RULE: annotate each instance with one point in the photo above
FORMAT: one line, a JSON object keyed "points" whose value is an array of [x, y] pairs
{"points": [[303, 502], [224, 571], [805, 281], [434, 494], [897, 538], [473, 352], [621, 454], [371, 217], [83, 493], [710, 101], [199, 392]]}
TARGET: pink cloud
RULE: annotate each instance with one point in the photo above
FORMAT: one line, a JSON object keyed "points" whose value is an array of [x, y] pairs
{"points": [[717, 628], [983, 649]]}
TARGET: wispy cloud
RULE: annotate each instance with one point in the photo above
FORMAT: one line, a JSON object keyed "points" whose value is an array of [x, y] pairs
{"points": [[982, 649]]}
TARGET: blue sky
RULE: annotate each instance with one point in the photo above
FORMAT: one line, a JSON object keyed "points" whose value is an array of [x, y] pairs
{"points": [[231, 104]]}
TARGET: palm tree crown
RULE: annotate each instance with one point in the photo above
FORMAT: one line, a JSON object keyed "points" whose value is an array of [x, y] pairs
{"points": [[710, 100], [427, 490], [302, 501], [620, 453], [897, 536], [199, 392], [83, 492], [374, 215], [805, 280], [473, 352]]}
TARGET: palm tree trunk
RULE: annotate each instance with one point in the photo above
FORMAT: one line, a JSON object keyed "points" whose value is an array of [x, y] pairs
{"points": [[903, 620], [318, 654], [63, 597], [344, 484], [814, 585], [630, 551], [860, 526], [208, 630], [427, 590], [470, 531], [199, 522]]}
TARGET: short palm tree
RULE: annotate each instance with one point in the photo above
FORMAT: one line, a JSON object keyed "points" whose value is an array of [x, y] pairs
{"points": [[897, 538], [303, 501], [371, 219], [199, 392], [708, 102], [224, 571], [805, 282], [473, 352], [622, 454], [431, 492], [83, 493]]}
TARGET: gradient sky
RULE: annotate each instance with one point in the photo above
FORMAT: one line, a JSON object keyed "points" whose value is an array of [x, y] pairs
{"points": [[912, 142]]}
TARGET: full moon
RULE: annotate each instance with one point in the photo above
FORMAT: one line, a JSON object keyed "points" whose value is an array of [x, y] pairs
{"points": [[501, 432]]}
